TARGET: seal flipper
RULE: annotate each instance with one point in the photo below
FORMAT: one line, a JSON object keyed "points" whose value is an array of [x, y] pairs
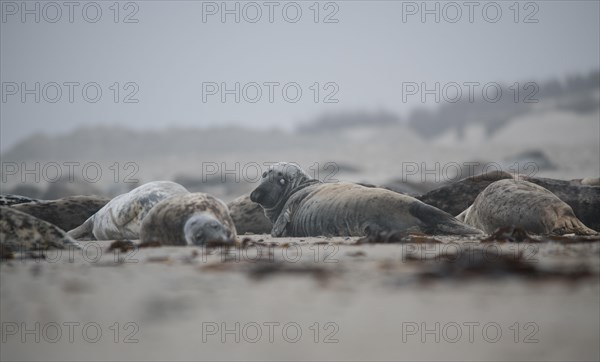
{"points": [[436, 221], [463, 215], [280, 225], [84, 231], [571, 225]]}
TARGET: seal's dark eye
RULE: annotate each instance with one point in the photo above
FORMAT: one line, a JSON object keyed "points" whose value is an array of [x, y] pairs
{"points": [[264, 174], [279, 174]]}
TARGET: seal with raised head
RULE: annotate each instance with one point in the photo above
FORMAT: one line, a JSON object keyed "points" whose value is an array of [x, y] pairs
{"points": [[523, 204], [189, 219], [67, 213], [23, 232], [248, 216], [121, 217], [301, 206]]}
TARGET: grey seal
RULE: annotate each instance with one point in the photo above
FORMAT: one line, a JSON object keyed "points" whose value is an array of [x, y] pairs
{"points": [[67, 213], [582, 195], [523, 204], [23, 232], [121, 217], [301, 206], [9, 200], [189, 219], [454, 198], [248, 216]]}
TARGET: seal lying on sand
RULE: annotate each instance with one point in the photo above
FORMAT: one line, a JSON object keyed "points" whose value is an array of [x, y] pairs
{"points": [[189, 219], [523, 204], [457, 196], [22, 232], [301, 206], [66, 213], [582, 195], [9, 200], [248, 216], [122, 217]]}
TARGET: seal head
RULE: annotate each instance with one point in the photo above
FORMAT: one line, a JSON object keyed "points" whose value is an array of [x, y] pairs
{"points": [[204, 229], [278, 183]]}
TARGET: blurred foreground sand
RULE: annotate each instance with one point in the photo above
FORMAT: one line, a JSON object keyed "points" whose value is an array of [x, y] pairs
{"points": [[365, 298]]}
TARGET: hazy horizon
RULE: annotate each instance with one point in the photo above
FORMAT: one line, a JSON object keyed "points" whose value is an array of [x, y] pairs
{"points": [[368, 53]]}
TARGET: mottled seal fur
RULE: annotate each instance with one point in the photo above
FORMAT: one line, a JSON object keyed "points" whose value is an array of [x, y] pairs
{"points": [[66, 213], [581, 195], [523, 204], [23, 232], [190, 219], [301, 206], [122, 217], [584, 198], [248, 216], [9, 200]]}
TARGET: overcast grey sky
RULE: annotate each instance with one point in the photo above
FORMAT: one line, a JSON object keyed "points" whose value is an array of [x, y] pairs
{"points": [[166, 55]]}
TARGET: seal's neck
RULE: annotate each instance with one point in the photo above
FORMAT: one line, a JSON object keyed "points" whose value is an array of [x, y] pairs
{"points": [[297, 184]]}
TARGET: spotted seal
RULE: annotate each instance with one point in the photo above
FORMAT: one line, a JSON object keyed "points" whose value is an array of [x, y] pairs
{"points": [[524, 204], [23, 232], [67, 213], [582, 195], [189, 219]]}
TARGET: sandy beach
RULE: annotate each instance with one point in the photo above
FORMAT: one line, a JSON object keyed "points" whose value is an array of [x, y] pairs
{"points": [[305, 299]]}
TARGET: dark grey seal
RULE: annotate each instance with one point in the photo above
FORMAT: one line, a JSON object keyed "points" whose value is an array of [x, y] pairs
{"points": [[454, 198], [9, 200], [301, 206]]}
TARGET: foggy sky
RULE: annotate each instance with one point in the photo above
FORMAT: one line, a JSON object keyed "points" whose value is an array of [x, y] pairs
{"points": [[368, 53]]}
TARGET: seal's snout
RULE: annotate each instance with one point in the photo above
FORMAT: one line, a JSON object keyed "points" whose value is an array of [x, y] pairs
{"points": [[256, 196], [217, 237]]}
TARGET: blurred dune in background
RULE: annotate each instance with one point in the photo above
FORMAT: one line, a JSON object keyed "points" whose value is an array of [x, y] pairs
{"points": [[560, 133]]}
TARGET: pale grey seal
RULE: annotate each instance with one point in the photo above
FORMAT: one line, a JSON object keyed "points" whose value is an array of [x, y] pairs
{"points": [[523, 204], [583, 196], [122, 217]]}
